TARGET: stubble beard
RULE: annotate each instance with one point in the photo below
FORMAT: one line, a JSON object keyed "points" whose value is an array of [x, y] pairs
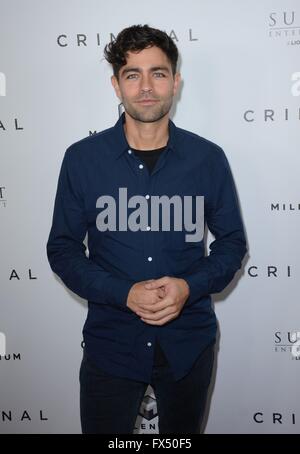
{"points": [[150, 114]]}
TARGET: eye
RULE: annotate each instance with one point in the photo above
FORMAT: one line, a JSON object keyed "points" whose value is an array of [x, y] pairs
{"points": [[129, 77], [159, 75]]}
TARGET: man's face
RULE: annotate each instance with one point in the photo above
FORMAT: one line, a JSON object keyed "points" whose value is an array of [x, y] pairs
{"points": [[146, 85]]}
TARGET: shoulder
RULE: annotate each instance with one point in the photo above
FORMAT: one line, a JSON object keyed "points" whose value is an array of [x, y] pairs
{"points": [[200, 146], [89, 144]]}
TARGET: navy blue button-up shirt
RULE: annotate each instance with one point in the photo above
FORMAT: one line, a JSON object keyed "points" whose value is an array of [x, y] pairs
{"points": [[103, 273]]}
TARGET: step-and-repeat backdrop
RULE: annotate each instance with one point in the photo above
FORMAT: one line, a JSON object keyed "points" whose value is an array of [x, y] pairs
{"points": [[240, 66]]}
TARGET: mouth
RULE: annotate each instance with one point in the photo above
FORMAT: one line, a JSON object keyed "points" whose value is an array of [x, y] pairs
{"points": [[147, 101]]}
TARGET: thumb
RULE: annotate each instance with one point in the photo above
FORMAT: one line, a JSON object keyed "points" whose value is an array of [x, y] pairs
{"points": [[156, 283]]}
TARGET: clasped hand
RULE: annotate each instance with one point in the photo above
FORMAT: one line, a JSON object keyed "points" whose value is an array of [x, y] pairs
{"points": [[158, 301]]}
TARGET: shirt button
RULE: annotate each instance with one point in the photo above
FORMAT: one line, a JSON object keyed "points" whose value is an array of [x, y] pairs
{"points": [[129, 151], [149, 344], [147, 196], [148, 227], [141, 166], [149, 259]]}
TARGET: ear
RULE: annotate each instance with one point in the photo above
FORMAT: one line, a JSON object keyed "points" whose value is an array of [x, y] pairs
{"points": [[115, 84], [177, 81]]}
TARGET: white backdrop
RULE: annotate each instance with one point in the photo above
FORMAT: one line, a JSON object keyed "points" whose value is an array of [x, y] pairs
{"points": [[241, 89]]}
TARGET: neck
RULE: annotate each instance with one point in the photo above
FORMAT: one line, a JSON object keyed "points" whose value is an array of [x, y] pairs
{"points": [[146, 136]]}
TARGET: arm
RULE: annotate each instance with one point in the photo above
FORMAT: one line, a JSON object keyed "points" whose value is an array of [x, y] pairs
{"points": [[224, 221], [65, 248]]}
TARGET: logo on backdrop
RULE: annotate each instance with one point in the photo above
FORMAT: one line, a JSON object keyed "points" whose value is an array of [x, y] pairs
{"points": [[147, 414], [288, 342], [283, 114], [4, 356], [283, 418], [17, 415], [84, 40], [285, 25], [271, 115], [286, 207], [148, 409], [2, 344], [14, 274], [3, 199], [270, 271], [11, 125], [5, 125], [2, 84], [25, 416], [295, 88]]}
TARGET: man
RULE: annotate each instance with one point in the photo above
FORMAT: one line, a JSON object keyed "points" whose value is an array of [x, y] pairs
{"points": [[146, 279]]}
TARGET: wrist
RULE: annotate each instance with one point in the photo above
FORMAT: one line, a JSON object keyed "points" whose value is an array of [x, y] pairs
{"points": [[186, 286]]}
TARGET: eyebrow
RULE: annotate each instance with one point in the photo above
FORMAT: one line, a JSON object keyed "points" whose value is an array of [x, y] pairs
{"points": [[138, 70]]}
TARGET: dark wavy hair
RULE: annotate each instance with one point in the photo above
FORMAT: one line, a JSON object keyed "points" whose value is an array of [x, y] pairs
{"points": [[135, 38]]}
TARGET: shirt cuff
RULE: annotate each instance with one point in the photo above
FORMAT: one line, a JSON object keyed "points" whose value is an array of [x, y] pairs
{"points": [[116, 290], [198, 284]]}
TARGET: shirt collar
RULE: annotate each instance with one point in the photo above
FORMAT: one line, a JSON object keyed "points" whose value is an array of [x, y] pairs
{"points": [[122, 144]]}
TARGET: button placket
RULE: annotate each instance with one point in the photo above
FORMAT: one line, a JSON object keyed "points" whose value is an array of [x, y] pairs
{"points": [[147, 196]]}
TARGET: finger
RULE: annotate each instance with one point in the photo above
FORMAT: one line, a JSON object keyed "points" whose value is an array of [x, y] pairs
{"points": [[160, 322], [163, 303], [158, 306], [148, 281], [157, 315], [161, 292], [157, 283], [144, 313]]}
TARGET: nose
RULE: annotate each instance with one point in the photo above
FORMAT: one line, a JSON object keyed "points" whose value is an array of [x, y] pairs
{"points": [[146, 84], [146, 90]]}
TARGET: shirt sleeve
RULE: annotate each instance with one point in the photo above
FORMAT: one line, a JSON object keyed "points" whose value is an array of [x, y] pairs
{"points": [[66, 251], [215, 271]]}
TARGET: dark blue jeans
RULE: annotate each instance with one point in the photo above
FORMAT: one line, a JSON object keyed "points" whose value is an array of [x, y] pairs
{"points": [[110, 405]]}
